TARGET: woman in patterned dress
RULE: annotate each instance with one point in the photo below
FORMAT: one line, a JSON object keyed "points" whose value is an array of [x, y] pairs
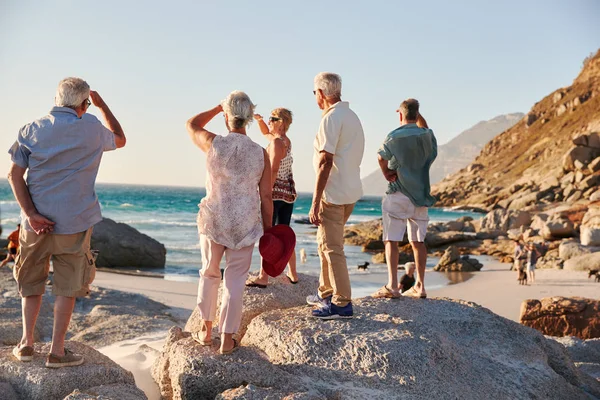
{"points": [[233, 215], [284, 189]]}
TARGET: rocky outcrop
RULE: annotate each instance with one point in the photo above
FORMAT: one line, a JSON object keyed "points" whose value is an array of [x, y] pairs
{"points": [[570, 249], [585, 354], [504, 220], [562, 316], [453, 261], [590, 226], [279, 294], [584, 262], [33, 381], [104, 317], [558, 226], [120, 245], [422, 350], [546, 158], [108, 392]]}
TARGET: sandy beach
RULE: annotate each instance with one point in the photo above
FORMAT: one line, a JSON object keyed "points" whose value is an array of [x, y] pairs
{"points": [[495, 287]]}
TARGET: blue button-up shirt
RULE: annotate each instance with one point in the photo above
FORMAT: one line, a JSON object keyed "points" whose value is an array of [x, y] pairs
{"points": [[62, 154], [410, 151]]}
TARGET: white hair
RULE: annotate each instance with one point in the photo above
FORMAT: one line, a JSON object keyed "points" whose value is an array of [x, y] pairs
{"points": [[239, 109], [71, 92], [409, 265], [329, 83]]}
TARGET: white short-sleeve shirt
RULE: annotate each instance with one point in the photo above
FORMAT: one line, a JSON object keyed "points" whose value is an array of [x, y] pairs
{"points": [[341, 134]]}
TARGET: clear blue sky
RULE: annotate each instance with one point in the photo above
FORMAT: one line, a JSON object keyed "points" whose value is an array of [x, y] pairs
{"points": [[157, 64]]}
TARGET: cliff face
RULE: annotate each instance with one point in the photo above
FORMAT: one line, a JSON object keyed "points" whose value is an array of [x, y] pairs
{"points": [[553, 147], [454, 155]]}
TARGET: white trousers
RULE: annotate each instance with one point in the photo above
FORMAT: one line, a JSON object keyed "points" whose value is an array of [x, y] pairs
{"points": [[237, 265]]}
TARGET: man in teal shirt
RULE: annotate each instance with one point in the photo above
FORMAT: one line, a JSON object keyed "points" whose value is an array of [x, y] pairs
{"points": [[405, 158]]}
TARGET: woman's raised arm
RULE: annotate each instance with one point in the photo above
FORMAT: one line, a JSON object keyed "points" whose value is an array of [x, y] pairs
{"points": [[195, 127]]}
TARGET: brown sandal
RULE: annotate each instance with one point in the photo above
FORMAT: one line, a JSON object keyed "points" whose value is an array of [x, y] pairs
{"points": [[234, 348], [385, 293], [412, 292]]}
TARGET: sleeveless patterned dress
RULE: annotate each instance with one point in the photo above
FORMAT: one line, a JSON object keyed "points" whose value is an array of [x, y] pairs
{"points": [[284, 188], [230, 213]]}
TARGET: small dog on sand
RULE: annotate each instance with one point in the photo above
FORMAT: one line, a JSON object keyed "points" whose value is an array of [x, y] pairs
{"points": [[303, 256], [364, 266], [593, 272], [522, 277]]}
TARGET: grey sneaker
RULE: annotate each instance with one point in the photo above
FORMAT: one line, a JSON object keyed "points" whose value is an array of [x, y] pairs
{"points": [[70, 359], [316, 300]]}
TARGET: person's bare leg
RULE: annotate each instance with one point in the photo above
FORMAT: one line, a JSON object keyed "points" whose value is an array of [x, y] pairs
{"points": [[421, 261], [263, 277], [205, 330], [63, 309], [292, 264], [30, 307], [392, 254]]}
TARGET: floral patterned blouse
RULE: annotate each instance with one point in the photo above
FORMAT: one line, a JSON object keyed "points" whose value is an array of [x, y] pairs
{"points": [[230, 213]]}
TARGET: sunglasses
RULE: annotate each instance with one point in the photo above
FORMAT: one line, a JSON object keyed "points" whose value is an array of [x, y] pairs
{"points": [[88, 102], [274, 119]]}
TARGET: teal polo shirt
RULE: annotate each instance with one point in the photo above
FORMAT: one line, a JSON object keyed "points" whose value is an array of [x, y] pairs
{"points": [[410, 151]]}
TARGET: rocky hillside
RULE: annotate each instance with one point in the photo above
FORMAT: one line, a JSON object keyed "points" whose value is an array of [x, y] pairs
{"points": [[454, 155], [550, 156]]}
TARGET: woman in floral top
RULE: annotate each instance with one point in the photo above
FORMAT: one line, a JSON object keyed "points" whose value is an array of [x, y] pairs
{"points": [[234, 214]]}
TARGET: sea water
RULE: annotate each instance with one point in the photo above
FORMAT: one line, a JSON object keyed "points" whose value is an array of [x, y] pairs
{"points": [[168, 214]]}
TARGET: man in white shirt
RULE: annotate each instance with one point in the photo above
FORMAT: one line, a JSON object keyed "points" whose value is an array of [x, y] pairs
{"points": [[339, 148]]}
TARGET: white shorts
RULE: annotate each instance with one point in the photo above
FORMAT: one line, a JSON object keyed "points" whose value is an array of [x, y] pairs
{"points": [[398, 214]]}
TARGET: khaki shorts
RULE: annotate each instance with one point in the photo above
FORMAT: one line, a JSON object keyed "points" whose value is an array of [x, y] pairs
{"points": [[72, 261], [399, 213]]}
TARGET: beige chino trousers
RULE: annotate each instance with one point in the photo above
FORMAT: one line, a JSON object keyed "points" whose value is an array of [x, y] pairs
{"points": [[334, 278]]}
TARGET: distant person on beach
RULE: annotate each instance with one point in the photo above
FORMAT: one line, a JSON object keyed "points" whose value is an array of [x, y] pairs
{"points": [[519, 257], [61, 154], [13, 246], [408, 280], [339, 148], [405, 158], [532, 257], [284, 188], [233, 215]]}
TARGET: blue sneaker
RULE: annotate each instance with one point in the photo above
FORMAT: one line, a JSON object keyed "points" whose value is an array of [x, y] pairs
{"points": [[316, 300], [331, 311]]}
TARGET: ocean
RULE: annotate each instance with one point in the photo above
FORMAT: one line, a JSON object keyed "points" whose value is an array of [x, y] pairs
{"points": [[168, 214]]}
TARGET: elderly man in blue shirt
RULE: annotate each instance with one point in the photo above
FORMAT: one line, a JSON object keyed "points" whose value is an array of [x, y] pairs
{"points": [[405, 158], [61, 153]]}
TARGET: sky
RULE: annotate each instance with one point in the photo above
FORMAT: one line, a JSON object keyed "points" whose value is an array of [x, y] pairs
{"points": [[157, 64]]}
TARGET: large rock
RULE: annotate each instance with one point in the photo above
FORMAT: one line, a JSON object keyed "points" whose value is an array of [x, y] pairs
{"points": [[33, 381], [585, 354], [590, 227], [280, 293], [437, 239], [582, 154], [558, 226], [392, 349], [108, 392], [591, 181], [451, 260], [570, 249], [503, 220], [103, 317], [120, 245], [584, 262], [562, 316]]}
